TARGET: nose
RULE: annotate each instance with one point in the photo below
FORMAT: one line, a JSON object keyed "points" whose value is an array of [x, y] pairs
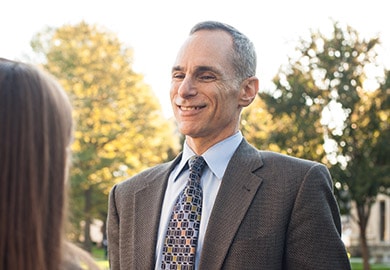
{"points": [[187, 88]]}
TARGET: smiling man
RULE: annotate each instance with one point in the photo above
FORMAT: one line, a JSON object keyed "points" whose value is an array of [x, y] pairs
{"points": [[221, 203], [206, 94]]}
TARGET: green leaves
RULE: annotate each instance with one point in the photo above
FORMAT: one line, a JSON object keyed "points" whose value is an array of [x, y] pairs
{"points": [[322, 109]]}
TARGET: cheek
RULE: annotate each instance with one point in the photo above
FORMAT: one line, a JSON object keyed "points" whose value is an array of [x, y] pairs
{"points": [[227, 98], [173, 91]]}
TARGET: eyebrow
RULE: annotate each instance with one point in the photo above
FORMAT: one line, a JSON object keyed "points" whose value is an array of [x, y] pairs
{"points": [[199, 69]]}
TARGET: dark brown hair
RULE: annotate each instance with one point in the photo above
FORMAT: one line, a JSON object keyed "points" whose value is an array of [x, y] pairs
{"points": [[35, 134]]}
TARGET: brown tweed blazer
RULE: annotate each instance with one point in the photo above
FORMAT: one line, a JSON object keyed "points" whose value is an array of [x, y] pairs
{"points": [[272, 212]]}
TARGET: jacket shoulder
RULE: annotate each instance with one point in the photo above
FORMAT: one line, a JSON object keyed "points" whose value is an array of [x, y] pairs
{"points": [[144, 177], [287, 159]]}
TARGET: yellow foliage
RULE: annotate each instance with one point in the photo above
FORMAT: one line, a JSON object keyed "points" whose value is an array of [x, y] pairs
{"points": [[118, 120]]}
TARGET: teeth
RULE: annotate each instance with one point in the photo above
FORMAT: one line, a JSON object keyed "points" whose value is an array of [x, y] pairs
{"points": [[189, 108]]}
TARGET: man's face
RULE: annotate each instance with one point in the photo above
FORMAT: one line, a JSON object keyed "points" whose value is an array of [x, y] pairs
{"points": [[204, 90]]}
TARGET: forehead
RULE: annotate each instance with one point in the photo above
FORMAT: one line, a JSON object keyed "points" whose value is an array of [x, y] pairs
{"points": [[206, 48]]}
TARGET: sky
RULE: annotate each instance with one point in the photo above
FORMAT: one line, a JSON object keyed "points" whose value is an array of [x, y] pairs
{"points": [[155, 29]]}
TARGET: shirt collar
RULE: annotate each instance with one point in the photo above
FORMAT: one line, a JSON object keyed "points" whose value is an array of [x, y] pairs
{"points": [[217, 157]]}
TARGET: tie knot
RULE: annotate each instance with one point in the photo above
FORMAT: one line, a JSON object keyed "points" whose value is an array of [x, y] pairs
{"points": [[196, 164]]}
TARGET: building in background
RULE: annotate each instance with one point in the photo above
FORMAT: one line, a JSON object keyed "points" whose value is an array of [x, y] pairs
{"points": [[378, 231]]}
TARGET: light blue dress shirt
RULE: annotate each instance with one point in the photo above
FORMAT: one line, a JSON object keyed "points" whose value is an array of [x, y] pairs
{"points": [[217, 159]]}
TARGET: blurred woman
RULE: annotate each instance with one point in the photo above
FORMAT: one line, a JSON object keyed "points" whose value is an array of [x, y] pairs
{"points": [[35, 136]]}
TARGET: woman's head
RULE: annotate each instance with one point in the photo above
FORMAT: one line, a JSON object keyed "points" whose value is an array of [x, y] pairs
{"points": [[35, 134]]}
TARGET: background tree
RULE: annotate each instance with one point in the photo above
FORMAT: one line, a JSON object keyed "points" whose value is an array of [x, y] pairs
{"points": [[257, 124], [120, 128], [329, 106]]}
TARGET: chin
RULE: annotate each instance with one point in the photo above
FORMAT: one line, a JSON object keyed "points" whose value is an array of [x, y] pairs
{"points": [[188, 131]]}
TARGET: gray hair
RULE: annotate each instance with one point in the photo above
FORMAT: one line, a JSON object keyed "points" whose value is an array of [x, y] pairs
{"points": [[244, 54]]}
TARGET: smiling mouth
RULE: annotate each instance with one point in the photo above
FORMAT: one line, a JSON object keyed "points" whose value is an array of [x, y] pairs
{"points": [[191, 108]]}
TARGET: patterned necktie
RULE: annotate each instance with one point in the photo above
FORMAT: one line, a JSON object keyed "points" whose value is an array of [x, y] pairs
{"points": [[183, 228]]}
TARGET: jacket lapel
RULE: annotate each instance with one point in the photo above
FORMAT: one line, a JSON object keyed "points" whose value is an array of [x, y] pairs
{"points": [[147, 203], [238, 187]]}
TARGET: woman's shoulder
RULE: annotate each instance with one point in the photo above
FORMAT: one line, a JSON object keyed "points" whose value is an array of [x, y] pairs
{"points": [[75, 258]]}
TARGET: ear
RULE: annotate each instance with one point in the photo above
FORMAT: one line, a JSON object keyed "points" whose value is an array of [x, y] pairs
{"points": [[248, 91]]}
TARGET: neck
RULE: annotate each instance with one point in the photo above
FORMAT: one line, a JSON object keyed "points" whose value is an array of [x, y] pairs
{"points": [[201, 144]]}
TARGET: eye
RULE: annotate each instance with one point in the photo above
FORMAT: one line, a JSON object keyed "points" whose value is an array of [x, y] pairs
{"points": [[207, 77], [178, 76]]}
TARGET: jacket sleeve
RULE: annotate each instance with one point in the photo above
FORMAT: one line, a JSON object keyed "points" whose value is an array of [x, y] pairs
{"points": [[314, 233], [113, 231]]}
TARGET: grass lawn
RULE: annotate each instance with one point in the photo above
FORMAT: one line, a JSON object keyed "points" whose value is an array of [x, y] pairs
{"points": [[357, 265], [98, 254]]}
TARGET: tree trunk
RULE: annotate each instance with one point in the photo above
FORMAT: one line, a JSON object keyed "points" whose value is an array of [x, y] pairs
{"points": [[362, 213], [364, 250], [87, 213]]}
